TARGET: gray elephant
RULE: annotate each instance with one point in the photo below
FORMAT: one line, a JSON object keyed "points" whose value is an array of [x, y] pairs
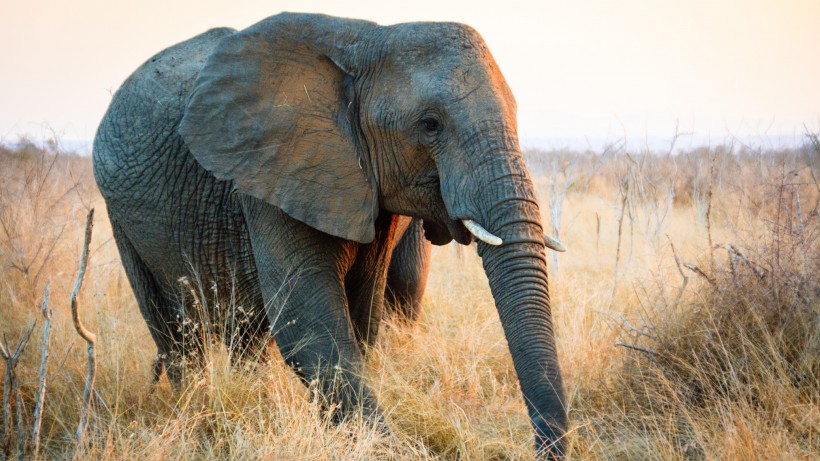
{"points": [[292, 161]]}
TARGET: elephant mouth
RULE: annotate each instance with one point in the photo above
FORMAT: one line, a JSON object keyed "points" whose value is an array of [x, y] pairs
{"points": [[439, 234]]}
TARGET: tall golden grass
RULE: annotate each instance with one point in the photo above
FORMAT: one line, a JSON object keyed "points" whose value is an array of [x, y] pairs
{"points": [[687, 314]]}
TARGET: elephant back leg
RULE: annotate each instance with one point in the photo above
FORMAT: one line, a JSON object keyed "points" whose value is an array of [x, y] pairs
{"points": [[176, 350], [407, 274], [366, 281], [247, 334]]}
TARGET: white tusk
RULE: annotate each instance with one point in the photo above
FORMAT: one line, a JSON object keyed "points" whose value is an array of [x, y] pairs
{"points": [[481, 233], [553, 244]]}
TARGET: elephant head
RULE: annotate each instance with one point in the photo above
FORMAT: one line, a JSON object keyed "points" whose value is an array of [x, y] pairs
{"points": [[334, 120]]}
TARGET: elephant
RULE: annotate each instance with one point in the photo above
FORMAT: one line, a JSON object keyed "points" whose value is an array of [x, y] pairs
{"points": [[308, 162]]}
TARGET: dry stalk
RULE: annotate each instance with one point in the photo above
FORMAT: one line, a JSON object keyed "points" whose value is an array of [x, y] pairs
{"points": [[597, 231], [637, 331], [624, 190], [89, 337], [796, 193], [678, 134], [709, 211], [735, 255], [11, 386], [556, 202], [683, 275], [651, 353], [6, 402], [41, 389], [700, 272]]}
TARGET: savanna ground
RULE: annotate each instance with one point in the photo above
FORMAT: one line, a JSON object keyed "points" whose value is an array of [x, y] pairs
{"points": [[687, 313]]}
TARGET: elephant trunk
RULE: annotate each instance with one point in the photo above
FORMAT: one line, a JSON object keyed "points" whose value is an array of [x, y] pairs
{"points": [[518, 281], [503, 202]]}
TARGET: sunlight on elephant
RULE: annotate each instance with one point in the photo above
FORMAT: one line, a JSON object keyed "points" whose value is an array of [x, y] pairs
{"points": [[291, 162]]}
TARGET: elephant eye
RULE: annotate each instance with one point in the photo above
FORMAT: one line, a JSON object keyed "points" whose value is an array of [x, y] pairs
{"points": [[431, 125]]}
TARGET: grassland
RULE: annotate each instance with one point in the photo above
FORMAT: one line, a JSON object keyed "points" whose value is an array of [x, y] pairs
{"points": [[687, 314]]}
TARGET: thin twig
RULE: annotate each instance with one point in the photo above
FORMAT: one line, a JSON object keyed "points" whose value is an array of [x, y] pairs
{"points": [[41, 389], [637, 348], [677, 260], [796, 193], [11, 386], [89, 337], [624, 189], [678, 134], [735, 254], [650, 354], [597, 230], [700, 272], [683, 275], [18, 403], [637, 331], [709, 210], [6, 402]]}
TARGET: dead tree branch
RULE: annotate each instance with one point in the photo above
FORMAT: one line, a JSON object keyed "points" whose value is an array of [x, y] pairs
{"points": [[683, 275], [735, 255], [636, 348], [624, 191], [637, 331], [678, 134], [89, 337], [700, 272], [6, 402], [41, 389], [709, 211], [11, 386]]}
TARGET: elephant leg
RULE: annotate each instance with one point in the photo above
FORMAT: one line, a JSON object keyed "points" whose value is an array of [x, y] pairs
{"points": [[301, 273], [366, 280], [248, 334], [162, 314], [407, 274]]}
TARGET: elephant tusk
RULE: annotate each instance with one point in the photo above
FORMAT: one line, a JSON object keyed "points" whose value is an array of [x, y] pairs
{"points": [[553, 244], [481, 233]]}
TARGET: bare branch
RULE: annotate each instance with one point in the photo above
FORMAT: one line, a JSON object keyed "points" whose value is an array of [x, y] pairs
{"points": [[709, 210], [683, 275], [678, 134], [10, 386], [637, 331], [700, 272], [624, 191], [735, 254], [18, 403], [89, 337], [637, 348], [41, 389], [677, 260], [6, 402]]}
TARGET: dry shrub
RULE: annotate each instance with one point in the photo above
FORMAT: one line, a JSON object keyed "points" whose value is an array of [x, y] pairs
{"points": [[44, 192], [732, 371], [742, 173]]}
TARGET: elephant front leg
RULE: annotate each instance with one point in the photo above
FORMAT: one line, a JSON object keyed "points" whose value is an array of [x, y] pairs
{"points": [[316, 338], [407, 275], [301, 272]]}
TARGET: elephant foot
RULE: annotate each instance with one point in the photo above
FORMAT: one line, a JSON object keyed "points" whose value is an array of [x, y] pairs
{"points": [[180, 369]]}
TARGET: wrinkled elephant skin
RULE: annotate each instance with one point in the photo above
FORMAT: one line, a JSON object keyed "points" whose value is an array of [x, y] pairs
{"points": [[287, 178]]}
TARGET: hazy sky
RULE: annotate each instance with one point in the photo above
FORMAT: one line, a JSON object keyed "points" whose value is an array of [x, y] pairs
{"points": [[579, 69]]}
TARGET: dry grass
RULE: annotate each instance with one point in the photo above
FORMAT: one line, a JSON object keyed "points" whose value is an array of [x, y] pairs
{"points": [[724, 364]]}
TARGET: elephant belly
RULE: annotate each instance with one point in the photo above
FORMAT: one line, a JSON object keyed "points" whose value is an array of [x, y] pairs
{"points": [[185, 223]]}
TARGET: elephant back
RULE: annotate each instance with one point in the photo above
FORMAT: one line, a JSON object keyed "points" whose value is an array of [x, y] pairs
{"points": [[162, 199], [140, 126]]}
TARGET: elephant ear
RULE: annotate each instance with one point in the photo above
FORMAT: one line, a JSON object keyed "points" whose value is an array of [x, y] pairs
{"points": [[270, 112]]}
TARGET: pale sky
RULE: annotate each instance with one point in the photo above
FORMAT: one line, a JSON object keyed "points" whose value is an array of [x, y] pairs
{"points": [[583, 69]]}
